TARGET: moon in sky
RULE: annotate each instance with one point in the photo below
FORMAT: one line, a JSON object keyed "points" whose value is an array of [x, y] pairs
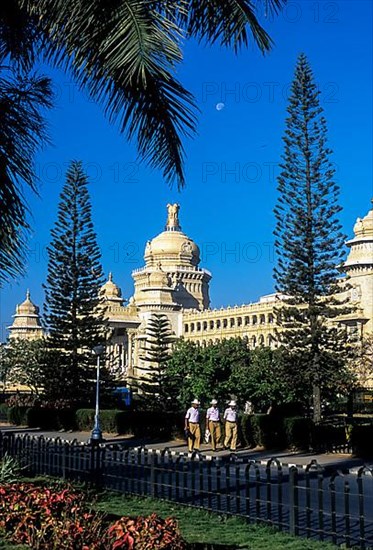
{"points": [[219, 106]]}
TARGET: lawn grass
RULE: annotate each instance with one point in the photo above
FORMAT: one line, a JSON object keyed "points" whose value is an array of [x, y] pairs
{"points": [[197, 525]]}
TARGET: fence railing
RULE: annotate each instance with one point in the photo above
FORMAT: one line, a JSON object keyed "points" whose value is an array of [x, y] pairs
{"points": [[307, 501]]}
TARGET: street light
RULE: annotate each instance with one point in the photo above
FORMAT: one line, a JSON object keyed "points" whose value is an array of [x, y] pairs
{"points": [[96, 435]]}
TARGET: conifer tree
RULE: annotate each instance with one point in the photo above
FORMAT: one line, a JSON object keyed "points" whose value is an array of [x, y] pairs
{"points": [[73, 284], [156, 352], [309, 245]]}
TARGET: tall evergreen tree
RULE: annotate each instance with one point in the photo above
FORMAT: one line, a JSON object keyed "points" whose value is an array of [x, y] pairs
{"points": [[309, 243], [73, 284], [156, 352]]}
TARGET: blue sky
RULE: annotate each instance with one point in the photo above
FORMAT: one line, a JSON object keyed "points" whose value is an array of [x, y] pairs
{"points": [[227, 205]]}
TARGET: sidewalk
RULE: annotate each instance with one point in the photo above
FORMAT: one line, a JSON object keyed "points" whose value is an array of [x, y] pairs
{"points": [[297, 458]]}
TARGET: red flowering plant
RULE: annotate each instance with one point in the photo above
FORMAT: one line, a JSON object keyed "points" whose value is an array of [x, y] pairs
{"points": [[56, 518], [49, 519], [145, 533]]}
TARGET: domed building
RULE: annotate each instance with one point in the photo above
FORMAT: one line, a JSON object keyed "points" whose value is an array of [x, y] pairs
{"points": [[359, 268], [26, 324], [172, 283], [171, 266]]}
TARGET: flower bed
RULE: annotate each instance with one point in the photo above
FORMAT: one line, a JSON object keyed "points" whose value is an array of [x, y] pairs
{"points": [[61, 518]]}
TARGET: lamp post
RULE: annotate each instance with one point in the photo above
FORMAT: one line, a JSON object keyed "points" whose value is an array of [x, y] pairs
{"points": [[96, 435]]}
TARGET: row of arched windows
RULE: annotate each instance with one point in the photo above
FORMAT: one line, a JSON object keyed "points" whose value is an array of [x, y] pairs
{"points": [[253, 341], [229, 322]]}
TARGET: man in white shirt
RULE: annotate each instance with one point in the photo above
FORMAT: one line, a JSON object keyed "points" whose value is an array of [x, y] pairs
{"points": [[230, 418], [213, 424], [192, 427]]}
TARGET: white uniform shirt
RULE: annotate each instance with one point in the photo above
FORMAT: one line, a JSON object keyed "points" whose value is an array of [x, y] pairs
{"points": [[230, 414], [213, 414], [192, 415]]}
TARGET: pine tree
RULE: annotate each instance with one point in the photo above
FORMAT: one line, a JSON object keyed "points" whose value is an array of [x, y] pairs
{"points": [[309, 244], [156, 352], [73, 284]]}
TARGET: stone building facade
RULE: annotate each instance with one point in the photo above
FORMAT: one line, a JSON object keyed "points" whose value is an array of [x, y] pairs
{"points": [[172, 283]]}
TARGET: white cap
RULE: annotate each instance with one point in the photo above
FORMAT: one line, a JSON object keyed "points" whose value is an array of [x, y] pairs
{"points": [[195, 402], [232, 404], [213, 402]]}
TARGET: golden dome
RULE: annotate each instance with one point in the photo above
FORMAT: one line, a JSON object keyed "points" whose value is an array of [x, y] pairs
{"points": [[111, 291], [27, 308], [172, 247], [363, 228]]}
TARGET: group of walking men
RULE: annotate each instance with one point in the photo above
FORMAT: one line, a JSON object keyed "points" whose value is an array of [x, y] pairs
{"points": [[213, 425]]}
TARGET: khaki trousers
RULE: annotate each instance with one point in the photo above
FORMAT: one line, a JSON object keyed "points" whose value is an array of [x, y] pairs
{"points": [[194, 441], [215, 431], [230, 435]]}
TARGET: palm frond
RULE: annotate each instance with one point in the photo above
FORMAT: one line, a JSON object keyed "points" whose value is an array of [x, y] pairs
{"points": [[126, 53], [22, 133], [19, 35]]}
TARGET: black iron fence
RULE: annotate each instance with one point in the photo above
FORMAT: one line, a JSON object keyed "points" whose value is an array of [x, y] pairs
{"points": [[308, 501]]}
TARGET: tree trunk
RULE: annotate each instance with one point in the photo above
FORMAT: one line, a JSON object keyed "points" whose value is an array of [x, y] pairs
{"points": [[316, 403]]}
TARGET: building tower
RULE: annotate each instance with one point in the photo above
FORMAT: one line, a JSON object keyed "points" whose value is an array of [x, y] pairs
{"points": [[171, 274], [26, 324], [359, 267]]}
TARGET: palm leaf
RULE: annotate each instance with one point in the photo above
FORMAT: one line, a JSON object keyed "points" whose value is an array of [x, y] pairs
{"points": [[126, 53], [22, 132]]}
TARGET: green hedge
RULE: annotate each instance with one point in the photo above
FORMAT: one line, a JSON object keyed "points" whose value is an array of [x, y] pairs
{"points": [[138, 424], [272, 432], [325, 435], [50, 419], [261, 430], [18, 415], [362, 440], [4, 413], [297, 432]]}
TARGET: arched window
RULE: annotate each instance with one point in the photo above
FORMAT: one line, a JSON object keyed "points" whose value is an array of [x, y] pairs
{"points": [[191, 327], [198, 326], [262, 319], [255, 320], [186, 328], [211, 325], [232, 322], [247, 321], [225, 323], [239, 321]]}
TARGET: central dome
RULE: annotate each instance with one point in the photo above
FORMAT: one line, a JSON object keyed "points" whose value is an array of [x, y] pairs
{"points": [[172, 246]]}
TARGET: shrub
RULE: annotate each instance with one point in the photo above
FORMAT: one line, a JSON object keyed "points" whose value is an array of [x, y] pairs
{"points": [[267, 431], [48, 519], [325, 435], [50, 418], [137, 423], [111, 421], [18, 415], [297, 430], [53, 518], [362, 440], [9, 469], [146, 533], [4, 412]]}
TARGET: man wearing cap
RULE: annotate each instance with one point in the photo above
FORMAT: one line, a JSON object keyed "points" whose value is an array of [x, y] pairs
{"points": [[192, 426], [213, 424], [230, 417]]}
